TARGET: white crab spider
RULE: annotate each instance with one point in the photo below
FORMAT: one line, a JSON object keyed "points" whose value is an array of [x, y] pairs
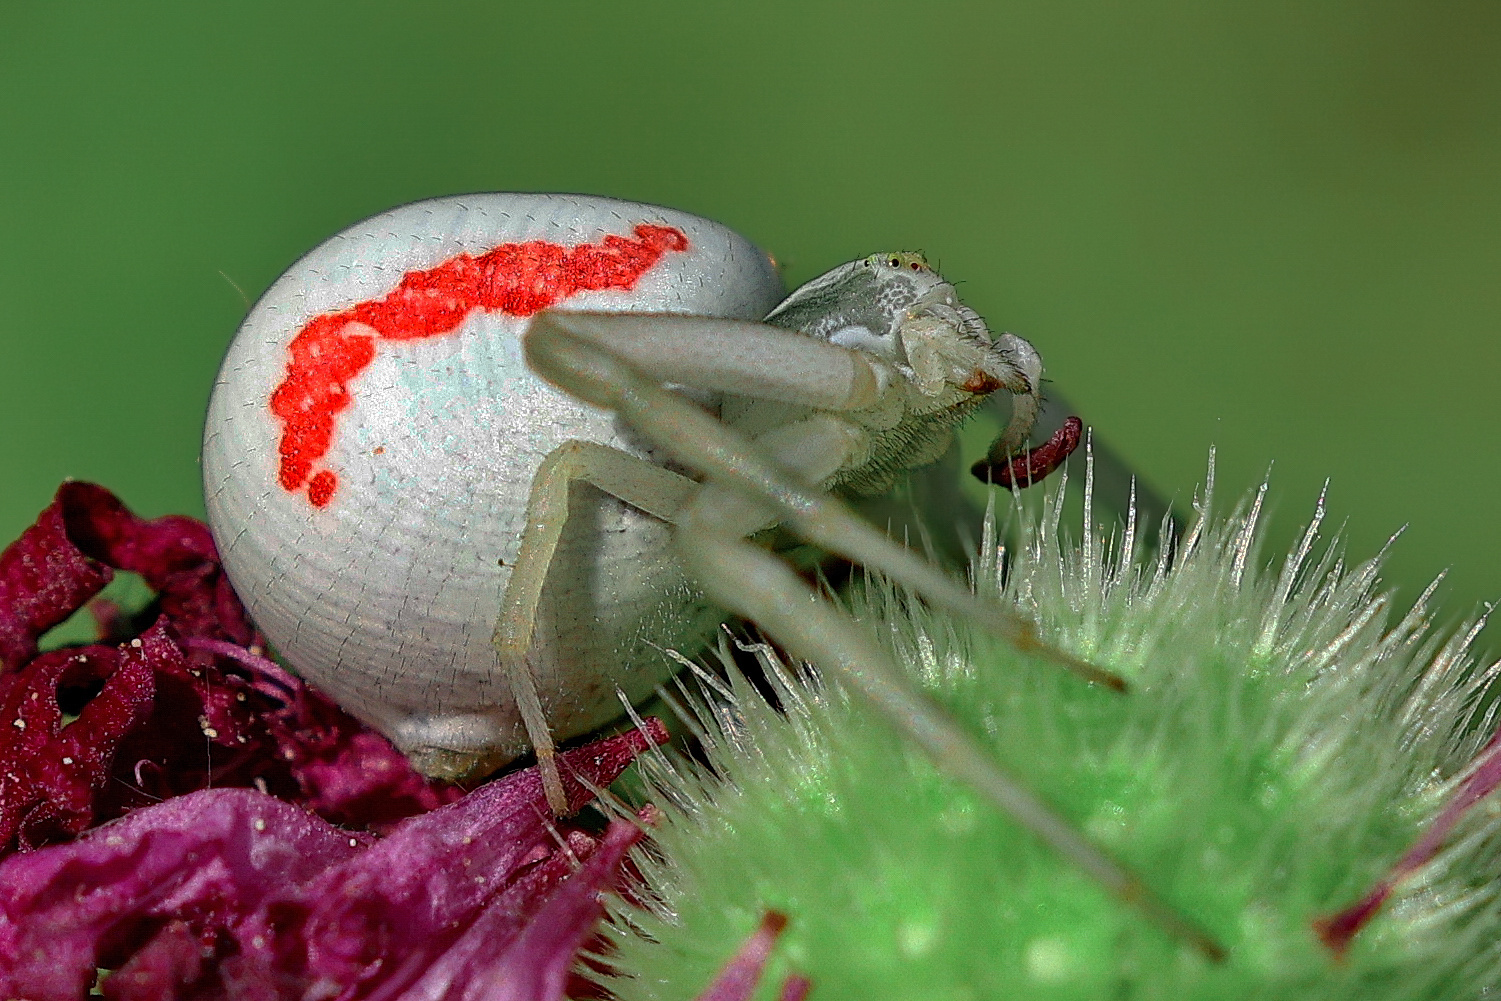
{"points": [[883, 361], [383, 470]]}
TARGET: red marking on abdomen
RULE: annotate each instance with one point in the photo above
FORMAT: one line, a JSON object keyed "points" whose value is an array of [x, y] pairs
{"points": [[517, 279]]}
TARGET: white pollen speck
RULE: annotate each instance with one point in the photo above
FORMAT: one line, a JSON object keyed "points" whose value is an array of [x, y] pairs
{"points": [[136, 643], [353, 843], [67, 760], [260, 823], [18, 723]]}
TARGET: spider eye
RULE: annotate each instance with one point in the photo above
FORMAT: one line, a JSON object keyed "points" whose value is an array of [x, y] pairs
{"points": [[896, 263], [916, 266]]}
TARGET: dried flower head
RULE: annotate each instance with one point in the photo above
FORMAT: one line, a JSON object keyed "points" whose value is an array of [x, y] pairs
{"points": [[177, 698]]}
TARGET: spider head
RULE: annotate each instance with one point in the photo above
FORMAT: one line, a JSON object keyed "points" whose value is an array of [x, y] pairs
{"points": [[896, 307]]}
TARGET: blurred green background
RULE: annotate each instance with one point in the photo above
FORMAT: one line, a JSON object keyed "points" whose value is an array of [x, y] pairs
{"points": [[1274, 227]]}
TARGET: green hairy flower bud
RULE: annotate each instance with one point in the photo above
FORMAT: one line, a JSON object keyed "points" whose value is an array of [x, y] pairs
{"points": [[1297, 767]]}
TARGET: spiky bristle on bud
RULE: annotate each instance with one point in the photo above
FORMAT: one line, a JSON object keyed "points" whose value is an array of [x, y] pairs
{"points": [[1285, 744]]}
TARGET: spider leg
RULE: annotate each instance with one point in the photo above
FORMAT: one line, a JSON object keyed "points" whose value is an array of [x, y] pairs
{"points": [[757, 585], [657, 491], [760, 586], [578, 352]]}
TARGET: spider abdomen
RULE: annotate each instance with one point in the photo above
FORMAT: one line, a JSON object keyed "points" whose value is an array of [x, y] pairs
{"points": [[371, 444]]}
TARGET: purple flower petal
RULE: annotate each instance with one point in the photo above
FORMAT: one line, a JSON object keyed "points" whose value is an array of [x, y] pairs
{"points": [[535, 965], [795, 988], [44, 579], [501, 921], [1338, 930], [169, 966], [53, 772], [199, 706], [344, 770], [426, 882], [738, 979], [233, 893], [205, 861], [249, 722], [175, 555]]}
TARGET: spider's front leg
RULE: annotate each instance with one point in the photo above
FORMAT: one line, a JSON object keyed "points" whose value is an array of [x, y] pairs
{"points": [[619, 362], [590, 354]]}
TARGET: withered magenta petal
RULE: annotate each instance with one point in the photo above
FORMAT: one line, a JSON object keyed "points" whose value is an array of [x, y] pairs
{"points": [[44, 578], [738, 979], [55, 771], [209, 859], [431, 876], [535, 966]]}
